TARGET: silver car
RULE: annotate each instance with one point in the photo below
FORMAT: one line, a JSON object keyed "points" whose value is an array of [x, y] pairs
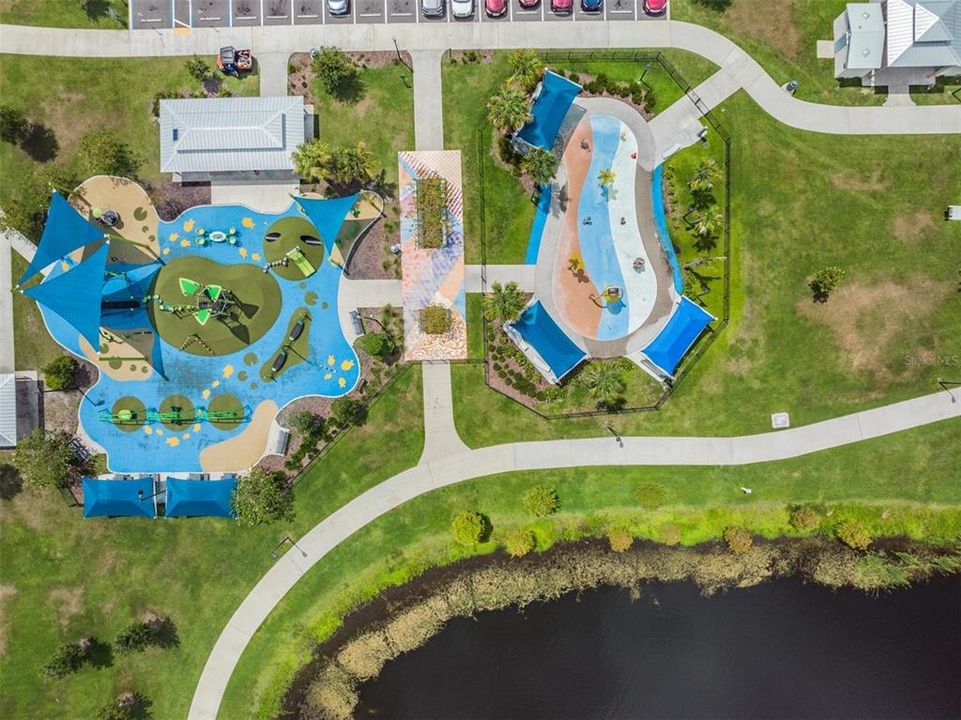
{"points": [[432, 8], [338, 7]]}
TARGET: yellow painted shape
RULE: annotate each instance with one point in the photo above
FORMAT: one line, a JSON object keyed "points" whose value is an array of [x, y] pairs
{"points": [[196, 427], [341, 381], [206, 394], [166, 251], [228, 371], [186, 436], [159, 431], [188, 226], [173, 237], [330, 360], [243, 252], [255, 257], [184, 243], [215, 383], [328, 375], [147, 430], [347, 365], [173, 442], [247, 222], [64, 266]]}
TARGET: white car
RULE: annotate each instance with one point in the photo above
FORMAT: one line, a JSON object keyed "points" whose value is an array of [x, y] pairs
{"points": [[462, 8], [338, 7]]}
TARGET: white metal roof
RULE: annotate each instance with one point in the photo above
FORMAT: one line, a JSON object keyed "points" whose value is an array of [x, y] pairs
{"points": [[924, 33], [8, 410], [866, 44], [230, 134]]}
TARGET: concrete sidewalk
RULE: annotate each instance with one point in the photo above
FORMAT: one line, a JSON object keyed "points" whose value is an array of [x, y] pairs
{"points": [[7, 362], [428, 100], [440, 436], [739, 66], [440, 471], [479, 278]]}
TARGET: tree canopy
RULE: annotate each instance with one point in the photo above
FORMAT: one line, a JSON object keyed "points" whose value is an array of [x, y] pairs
{"points": [[44, 459], [509, 109], [262, 497]]}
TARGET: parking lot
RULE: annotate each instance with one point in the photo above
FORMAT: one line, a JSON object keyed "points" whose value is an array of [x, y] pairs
{"points": [[155, 14]]}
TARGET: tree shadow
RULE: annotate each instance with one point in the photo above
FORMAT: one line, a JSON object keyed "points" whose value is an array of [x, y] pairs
{"points": [[382, 186], [705, 243], [716, 5], [164, 632], [351, 89], [96, 9], [40, 143], [97, 653], [10, 482]]}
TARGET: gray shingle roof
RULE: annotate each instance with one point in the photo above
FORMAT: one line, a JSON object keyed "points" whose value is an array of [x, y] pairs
{"points": [[230, 134]]}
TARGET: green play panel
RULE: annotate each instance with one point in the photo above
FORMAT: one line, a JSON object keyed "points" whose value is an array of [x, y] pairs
{"points": [[128, 413], [221, 407], [174, 405]]}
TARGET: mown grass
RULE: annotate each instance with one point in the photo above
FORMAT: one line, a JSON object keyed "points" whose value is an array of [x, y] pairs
{"points": [[801, 201], [33, 347], [863, 481], [382, 116], [73, 96], [65, 13], [495, 203], [64, 577]]}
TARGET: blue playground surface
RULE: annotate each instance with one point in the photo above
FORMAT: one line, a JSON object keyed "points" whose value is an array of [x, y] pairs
{"points": [[330, 368]]}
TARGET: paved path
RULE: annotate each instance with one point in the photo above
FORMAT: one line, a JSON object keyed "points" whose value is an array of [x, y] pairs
{"points": [[428, 100], [272, 69], [436, 472], [353, 294], [440, 436], [740, 68], [7, 363], [478, 278]]}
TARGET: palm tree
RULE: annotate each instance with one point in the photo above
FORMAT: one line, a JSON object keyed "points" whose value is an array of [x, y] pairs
{"points": [[703, 179], [504, 303], [349, 165], [606, 177], [707, 224], [605, 383], [540, 165], [310, 160], [509, 109], [526, 68]]}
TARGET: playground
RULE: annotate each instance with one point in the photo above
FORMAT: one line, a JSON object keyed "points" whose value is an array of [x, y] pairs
{"points": [[230, 315]]}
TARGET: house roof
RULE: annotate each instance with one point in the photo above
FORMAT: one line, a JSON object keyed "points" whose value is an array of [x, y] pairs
{"points": [[8, 410], [923, 33], [230, 134], [866, 45]]}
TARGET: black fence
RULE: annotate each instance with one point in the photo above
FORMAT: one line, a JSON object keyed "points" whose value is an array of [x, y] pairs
{"points": [[484, 141]]}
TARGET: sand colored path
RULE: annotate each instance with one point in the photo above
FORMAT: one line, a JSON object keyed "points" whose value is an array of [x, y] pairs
{"points": [[243, 450]]}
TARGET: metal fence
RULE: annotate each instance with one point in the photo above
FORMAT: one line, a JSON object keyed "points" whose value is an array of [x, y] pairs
{"points": [[484, 139]]}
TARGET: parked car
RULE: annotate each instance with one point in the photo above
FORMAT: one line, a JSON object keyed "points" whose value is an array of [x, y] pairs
{"points": [[655, 7], [495, 8], [462, 8], [529, 4], [562, 7], [432, 8], [338, 7], [592, 6]]}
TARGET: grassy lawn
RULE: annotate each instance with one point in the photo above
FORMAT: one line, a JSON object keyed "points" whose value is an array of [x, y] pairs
{"points": [[65, 13], [33, 346], [81, 94], [802, 201], [701, 500], [64, 577], [382, 117], [494, 200], [782, 36]]}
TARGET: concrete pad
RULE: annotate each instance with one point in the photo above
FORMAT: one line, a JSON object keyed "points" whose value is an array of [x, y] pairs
{"points": [[261, 195], [825, 49]]}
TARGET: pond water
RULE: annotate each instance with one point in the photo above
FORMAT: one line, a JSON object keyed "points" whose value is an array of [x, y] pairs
{"points": [[779, 650]]}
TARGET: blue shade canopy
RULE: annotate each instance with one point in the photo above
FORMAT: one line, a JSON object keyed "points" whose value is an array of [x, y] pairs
{"points": [[65, 231], [129, 281], [551, 106], [540, 331], [327, 215], [75, 295], [682, 330], [196, 498], [118, 498]]}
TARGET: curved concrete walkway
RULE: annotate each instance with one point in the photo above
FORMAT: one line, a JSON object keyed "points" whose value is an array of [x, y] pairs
{"points": [[737, 68], [439, 471]]}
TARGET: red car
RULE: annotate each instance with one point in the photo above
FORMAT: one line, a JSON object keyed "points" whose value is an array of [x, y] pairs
{"points": [[495, 8], [655, 7], [529, 4], [562, 7]]}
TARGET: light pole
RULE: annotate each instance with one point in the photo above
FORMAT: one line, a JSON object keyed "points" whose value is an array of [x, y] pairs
{"points": [[287, 539], [947, 385], [617, 435]]}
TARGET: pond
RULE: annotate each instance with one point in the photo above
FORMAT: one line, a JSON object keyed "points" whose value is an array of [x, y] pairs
{"points": [[782, 649]]}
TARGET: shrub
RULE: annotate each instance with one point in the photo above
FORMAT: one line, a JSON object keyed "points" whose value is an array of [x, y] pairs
{"points": [[541, 501], [13, 124], [519, 542], [157, 631], [377, 345], [162, 95], [670, 534], [804, 519], [620, 539], [335, 71], [435, 320], [44, 459], [347, 411], [738, 540], [68, 659], [853, 534], [825, 281], [262, 497], [100, 152], [431, 200], [650, 495], [129, 706], [308, 424], [469, 528], [60, 374], [198, 69]]}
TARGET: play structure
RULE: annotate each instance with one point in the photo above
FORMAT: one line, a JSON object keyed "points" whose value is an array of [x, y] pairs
{"points": [[174, 416], [210, 301]]}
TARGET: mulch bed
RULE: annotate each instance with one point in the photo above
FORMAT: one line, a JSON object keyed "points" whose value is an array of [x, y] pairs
{"points": [[369, 257], [300, 77], [171, 199]]}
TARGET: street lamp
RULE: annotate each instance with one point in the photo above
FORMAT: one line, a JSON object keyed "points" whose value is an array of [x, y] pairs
{"points": [[617, 435], [947, 385], [275, 555]]}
